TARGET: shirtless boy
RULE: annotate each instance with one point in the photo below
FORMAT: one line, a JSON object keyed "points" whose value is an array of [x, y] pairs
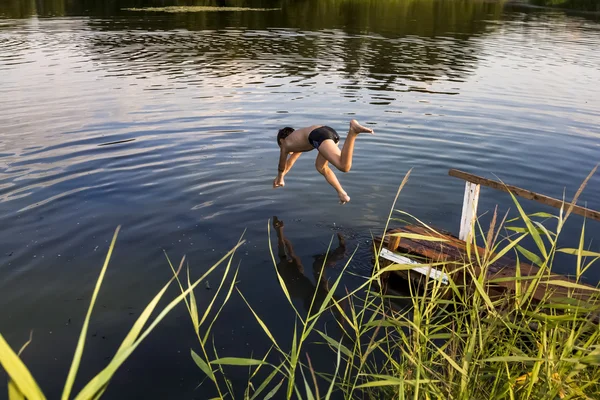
{"points": [[294, 142]]}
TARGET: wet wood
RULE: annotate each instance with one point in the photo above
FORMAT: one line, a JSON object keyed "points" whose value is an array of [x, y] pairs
{"points": [[452, 253], [526, 194], [469, 211]]}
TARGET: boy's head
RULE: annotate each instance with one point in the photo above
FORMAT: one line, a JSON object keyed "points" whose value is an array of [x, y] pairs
{"points": [[283, 133]]}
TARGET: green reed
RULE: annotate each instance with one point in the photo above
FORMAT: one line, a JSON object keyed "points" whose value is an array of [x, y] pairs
{"points": [[22, 385], [453, 342]]}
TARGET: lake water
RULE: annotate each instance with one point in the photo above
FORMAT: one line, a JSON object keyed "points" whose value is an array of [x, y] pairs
{"points": [[198, 98]]}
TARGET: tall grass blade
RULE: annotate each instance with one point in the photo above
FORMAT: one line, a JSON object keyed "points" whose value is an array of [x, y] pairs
{"points": [[506, 249], [100, 380], [18, 373], [260, 322], [81, 342], [279, 277], [533, 231], [264, 384], [227, 297], [237, 361], [13, 392], [225, 275], [337, 367], [579, 191], [309, 393], [576, 252], [137, 327], [192, 305], [274, 391], [335, 344], [571, 285]]}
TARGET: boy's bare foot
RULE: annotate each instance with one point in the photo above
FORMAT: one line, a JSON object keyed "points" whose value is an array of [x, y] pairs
{"points": [[357, 128], [278, 183], [344, 198]]}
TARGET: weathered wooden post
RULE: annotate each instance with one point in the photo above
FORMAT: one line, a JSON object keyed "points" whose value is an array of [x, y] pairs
{"points": [[469, 211]]}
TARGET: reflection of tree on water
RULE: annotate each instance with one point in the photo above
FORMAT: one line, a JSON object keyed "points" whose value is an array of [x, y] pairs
{"points": [[382, 44], [292, 271]]}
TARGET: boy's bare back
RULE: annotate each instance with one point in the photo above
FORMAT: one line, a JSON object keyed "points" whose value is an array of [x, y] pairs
{"points": [[297, 141]]}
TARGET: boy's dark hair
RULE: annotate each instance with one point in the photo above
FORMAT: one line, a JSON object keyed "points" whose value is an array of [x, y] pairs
{"points": [[283, 133]]}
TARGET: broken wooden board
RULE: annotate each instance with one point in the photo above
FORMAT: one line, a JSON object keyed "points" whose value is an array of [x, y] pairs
{"points": [[451, 253]]}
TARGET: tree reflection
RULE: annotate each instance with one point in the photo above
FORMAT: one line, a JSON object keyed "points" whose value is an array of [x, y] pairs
{"points": [[383, 44]]}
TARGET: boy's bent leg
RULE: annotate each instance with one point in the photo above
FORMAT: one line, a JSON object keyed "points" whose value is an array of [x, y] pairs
{"points": [[342, 160], [323, 168]]}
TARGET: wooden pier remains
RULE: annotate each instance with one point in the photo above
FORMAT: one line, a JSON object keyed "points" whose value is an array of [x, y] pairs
{"points": [[449, 253]]}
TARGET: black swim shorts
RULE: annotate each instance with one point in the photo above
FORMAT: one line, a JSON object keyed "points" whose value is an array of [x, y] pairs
{"points": [[317, 136]]}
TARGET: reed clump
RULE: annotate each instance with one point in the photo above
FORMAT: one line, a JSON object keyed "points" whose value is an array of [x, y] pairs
{"points": [[453, 341], [446, 341]]}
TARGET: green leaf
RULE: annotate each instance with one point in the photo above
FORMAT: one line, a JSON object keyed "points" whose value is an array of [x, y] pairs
{"points": [[337, 367], [81, 342], [264, 384], [571, 285], [13, 392], [231, 286], [225, 275], [506, 249], [530, 256], [574, 252], [273, 391], [511, 359], [244, 362], [18, 373], [193, 305], [137, 327], [100, 380], [542, 215], [532, 230], [387, 380], [309, 393], [335, 344], [260, 322], [203, 366]]}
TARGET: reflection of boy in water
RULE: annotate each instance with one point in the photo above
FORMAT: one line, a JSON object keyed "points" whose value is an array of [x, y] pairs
{"points": [[293, 142], [291, 270]]}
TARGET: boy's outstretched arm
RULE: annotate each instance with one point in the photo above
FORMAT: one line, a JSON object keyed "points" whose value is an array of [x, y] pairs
{"points": [[290, 162]]}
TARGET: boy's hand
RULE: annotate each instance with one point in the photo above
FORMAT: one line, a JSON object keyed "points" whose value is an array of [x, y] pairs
{"points": [[278, 182]]}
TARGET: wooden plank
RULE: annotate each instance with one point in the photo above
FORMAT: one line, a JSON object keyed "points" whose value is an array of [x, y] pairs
{"points": [[527, 194], [469, 211], [421, 269], [393, 243], [453, 252]]}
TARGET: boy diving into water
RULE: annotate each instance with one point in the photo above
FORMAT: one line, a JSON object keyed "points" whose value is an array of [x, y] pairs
{"points": [[294, 142]]}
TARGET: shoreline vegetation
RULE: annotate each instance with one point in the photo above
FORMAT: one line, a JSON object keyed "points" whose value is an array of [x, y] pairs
{"points": [[452, 341], [184, 9], [585, 6], [591, 6]]}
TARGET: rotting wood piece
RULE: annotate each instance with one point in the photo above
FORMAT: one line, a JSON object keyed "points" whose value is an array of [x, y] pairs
{"points": [[452, 252]]}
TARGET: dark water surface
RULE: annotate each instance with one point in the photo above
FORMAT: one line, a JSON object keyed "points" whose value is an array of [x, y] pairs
{"points": [[198, 98]]}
